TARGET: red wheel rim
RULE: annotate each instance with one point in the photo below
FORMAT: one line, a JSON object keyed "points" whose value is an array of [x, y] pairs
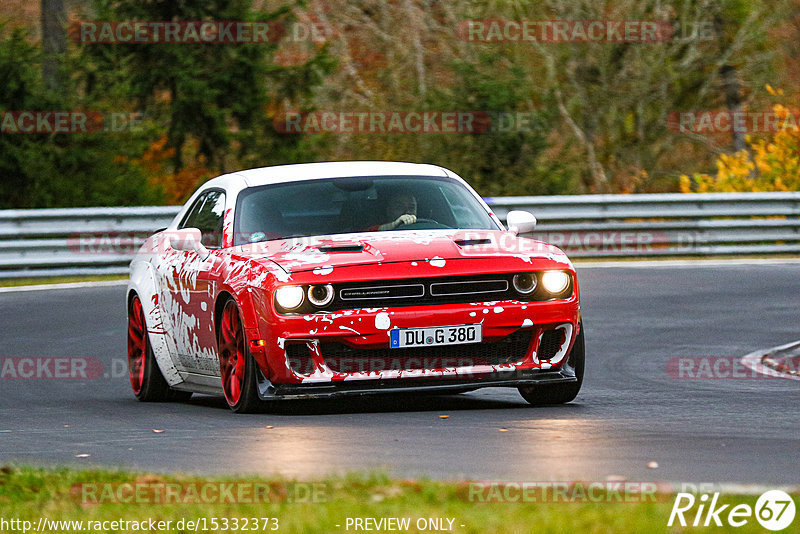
{"points": [[137, 345], [231, 354]]}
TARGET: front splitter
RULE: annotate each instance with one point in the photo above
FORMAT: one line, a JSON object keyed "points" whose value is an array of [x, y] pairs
{"points": [[512, 379]]}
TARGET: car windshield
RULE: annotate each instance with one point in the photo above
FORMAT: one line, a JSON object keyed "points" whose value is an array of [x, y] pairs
{"points": [[343, 205]]}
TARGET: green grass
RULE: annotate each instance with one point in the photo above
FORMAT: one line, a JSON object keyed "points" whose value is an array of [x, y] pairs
{"points": [[31, 493], [17, 282]]}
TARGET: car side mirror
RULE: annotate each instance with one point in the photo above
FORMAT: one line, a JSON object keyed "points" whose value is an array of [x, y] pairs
{"points": [[188, 240], [520, 222]]}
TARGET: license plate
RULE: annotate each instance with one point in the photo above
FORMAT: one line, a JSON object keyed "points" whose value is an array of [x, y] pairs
{"points": [[435, 335]]}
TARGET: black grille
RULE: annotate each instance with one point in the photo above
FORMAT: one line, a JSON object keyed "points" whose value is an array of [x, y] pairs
{"points": [[469, 287], [439, 290], [299, 358], [550, 343], [341, 358]]}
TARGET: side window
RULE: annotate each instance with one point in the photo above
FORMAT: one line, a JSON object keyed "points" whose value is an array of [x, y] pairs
{"points": [[192, 213], [207, 215]]}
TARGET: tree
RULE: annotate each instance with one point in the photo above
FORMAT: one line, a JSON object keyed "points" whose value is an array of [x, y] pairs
{"points": [[211, 99], [54, 42], [42, 170]]}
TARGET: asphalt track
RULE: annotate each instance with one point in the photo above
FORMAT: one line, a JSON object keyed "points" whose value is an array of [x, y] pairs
{"points": [[629, 413]]}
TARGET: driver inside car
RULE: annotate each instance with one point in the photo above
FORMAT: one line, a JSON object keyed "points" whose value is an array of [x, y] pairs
{"points": [[401, 209]]}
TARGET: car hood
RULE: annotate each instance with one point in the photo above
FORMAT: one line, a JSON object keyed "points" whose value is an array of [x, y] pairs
{"points": [[309, 253]]}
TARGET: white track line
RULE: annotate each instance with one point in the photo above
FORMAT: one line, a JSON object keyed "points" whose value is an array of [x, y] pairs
{"points": [[72, 285], [753, 361], [684, 263]]}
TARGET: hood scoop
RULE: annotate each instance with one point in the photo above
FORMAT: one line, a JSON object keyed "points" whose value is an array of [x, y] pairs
{"points": [[341, 248], [468, 242]]}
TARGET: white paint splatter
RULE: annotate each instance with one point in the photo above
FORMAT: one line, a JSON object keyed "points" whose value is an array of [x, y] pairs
{"points": [[203, 306], [498, 309], [527, 322], [324, 270], [383, 321], [348, 328], [438, 262], [472, 314]]}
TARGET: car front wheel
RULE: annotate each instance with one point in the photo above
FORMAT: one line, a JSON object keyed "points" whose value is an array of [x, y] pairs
{"points": [[237, 367]]}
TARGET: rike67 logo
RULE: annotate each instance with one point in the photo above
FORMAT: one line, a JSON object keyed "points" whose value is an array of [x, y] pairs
{"points": [[774, 510]]}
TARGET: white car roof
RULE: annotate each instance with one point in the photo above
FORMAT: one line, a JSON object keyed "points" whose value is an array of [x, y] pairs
{"points": [[236, 181], [334, 169]]}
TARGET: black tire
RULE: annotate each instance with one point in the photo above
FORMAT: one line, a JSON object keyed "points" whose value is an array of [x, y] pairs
{"points": [[231, 339], [155, 387], [544, 394], [151, 384]]}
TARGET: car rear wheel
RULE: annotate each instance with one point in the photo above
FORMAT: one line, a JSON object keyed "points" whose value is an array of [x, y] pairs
{"points": [[237, 368], [539, 395], [147, 382]]}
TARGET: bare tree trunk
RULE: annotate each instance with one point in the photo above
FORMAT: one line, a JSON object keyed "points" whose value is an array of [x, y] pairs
{"points": [[417, 43], [733, 102], [54, 41], [599, 177]]}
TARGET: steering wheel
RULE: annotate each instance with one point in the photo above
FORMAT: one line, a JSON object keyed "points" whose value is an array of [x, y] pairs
{"points": [[423, 224]]}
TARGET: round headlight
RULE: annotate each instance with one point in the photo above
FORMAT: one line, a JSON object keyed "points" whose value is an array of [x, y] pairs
{"points": [[289, 297], [555, 282], [320, 295], [524, 283]]}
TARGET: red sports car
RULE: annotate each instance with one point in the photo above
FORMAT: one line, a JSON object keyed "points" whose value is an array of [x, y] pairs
{"points": [[349, 278]]}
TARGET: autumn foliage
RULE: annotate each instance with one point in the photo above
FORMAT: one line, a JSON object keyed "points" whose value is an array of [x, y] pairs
{"points": [[771, 164], [177, 186]]}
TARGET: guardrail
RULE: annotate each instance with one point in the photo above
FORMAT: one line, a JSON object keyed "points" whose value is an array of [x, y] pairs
{"points": [[80, 241]]}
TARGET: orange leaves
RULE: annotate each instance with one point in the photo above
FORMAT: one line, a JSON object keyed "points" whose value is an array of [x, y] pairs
{"points": [[159, 163], [769, 164]]}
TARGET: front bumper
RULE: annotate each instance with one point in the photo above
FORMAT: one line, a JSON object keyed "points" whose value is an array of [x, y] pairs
{"points": [[365, 331]]}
